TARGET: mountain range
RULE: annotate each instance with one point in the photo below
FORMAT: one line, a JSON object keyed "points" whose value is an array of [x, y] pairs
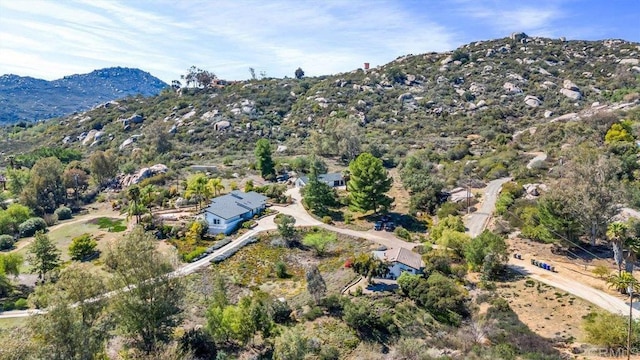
{"points": [[30, 99]]}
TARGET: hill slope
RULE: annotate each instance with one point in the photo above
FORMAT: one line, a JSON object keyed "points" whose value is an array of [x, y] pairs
{"points": [[476, 97], [27, 98]]}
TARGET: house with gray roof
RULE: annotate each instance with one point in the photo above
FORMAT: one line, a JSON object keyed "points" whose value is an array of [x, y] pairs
{"points": [[331, 179], [225, 213]]}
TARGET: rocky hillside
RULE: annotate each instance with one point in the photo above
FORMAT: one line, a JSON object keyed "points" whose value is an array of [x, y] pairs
{"points": [[26, 98], [479, 95]]}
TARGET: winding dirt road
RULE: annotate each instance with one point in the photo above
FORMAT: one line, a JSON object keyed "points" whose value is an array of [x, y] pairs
{"points": [[562, 280], [265, 224]]}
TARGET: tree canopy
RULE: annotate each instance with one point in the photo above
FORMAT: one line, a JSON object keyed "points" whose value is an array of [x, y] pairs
{"points": [[368, 184]]}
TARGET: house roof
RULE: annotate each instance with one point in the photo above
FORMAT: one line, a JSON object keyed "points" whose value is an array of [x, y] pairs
{"points": [[401, 255], [328, 179], [235, 203]]}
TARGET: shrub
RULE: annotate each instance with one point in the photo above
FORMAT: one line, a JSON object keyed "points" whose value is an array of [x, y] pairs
{"points": [[189, 257], [63, 213], [281, 270], [50, 219], [30, 226], [6, 242], [609, 330], [313, 313], [21, 304], [327, 219], [248, 224], [403, 233], [601, 271], [82, 247]]}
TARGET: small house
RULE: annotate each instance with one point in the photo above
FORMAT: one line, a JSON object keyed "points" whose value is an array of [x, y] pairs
{"points": [[400, 260], [225, 213], [331, 179]]}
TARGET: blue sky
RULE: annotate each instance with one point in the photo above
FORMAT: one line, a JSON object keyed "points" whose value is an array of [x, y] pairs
{"points": [[52, 38]]}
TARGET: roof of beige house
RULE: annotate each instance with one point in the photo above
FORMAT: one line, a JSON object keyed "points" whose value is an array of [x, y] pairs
{"points": [[403, 256]]}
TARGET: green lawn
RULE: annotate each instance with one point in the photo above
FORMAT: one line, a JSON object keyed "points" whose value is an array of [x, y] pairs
{"points": [[63, 235]]}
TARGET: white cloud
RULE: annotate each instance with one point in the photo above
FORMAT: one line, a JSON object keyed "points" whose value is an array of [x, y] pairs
{"points": [[227, 37]]}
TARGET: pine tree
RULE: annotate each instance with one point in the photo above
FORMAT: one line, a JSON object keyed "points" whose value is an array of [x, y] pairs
{"points": [[264, 162], [368, 184]]}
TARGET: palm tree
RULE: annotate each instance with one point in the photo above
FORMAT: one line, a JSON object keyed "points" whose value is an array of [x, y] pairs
{"points": [[197, 188], [146, 195], [134, 195], [626, 282], [633, 249], [216, 185], [617, 234]]}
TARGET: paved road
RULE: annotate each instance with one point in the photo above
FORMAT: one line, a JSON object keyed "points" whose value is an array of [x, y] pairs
{"points": [[477, 221]]}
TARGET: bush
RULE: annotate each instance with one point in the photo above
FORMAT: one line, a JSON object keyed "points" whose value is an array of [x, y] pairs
{"points": [[281, 270], [403, 233], [189, 257], [82, 247], [6, 242], [30, 226], [21, 304], [327, 219], [601, 271], [50, 219], [63, 213], [313, 313]]}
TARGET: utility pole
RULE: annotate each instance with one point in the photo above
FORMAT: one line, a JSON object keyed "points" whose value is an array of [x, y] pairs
{"points": [[630, 291]]}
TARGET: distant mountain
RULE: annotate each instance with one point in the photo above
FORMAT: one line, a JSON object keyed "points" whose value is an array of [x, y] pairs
{"points": [[27, 98]]}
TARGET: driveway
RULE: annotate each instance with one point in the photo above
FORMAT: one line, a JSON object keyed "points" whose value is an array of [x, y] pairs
{"points": [[265, 224], [562, 280], [303, 218], [477, 221]]}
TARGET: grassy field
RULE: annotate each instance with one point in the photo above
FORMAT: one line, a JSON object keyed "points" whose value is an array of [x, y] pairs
{"points": [[12, 323], [63, 234]]}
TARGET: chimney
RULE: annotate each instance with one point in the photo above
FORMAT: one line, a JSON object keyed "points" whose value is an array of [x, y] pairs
{"points": [[366, 66]]}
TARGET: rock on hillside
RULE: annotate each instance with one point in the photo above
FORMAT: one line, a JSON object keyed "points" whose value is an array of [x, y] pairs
{"points": [[432, 100], [26, 98]]}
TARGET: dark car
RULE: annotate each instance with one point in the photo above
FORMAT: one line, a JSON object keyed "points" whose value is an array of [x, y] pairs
{"points": [[378, 226], [390, 226]]}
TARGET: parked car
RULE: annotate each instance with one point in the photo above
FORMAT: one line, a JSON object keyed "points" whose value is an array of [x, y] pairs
{"points": [[378, 226], [390, 226]]}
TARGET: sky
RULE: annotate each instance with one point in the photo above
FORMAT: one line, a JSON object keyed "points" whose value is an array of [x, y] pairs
{"points": [[49, 39]]}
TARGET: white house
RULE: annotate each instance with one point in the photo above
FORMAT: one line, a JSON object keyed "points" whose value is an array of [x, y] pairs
{"points": [[331, 179], [400, 260], [225, 213]]}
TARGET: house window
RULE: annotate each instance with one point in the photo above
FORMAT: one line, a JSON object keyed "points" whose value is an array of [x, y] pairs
{"points": [[216, 221]]}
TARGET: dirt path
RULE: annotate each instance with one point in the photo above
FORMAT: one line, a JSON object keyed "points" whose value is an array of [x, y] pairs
{"points": [[265, 224], [303, 218], [477, 221], [564, 281]]}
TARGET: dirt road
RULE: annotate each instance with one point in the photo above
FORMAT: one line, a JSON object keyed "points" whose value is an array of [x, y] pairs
{"points": [[563, 281], [477, 221], [296, 210]]}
